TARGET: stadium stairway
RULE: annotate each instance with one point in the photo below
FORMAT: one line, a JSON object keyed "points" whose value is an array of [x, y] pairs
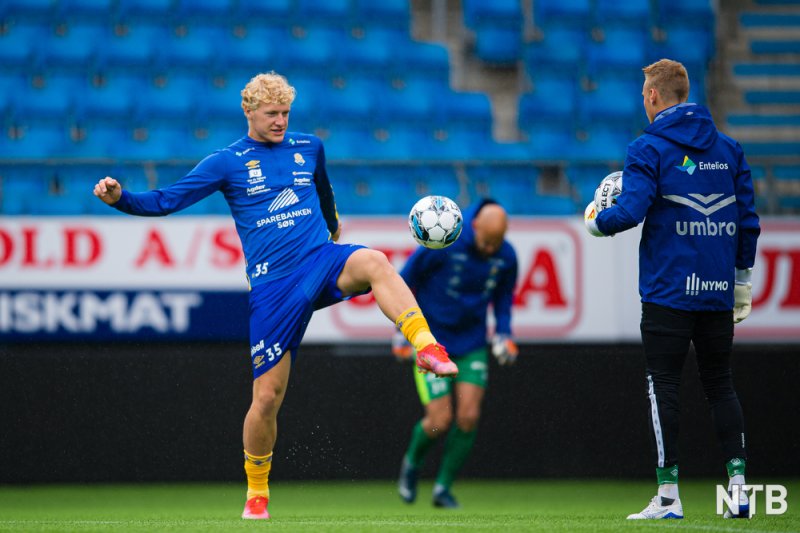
{"points": [[759, 93]]}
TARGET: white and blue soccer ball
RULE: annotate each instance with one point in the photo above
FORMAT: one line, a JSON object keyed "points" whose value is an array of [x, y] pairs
{"points": [[607, 192], [435, 222]]}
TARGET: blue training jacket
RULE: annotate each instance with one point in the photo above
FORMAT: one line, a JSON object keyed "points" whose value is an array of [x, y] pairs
{"points": [[279, 195], [455, 286], [692, 186]]}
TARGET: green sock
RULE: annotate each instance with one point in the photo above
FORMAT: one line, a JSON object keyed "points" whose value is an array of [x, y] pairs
{"points": [[419, 445], [735, 467], [456, 451], [668, 474]]}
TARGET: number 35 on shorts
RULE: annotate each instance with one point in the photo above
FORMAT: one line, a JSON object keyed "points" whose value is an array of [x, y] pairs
{"points": [[269, 355]]}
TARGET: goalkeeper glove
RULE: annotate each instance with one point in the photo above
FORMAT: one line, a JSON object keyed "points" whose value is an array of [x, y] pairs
{"points": [[589, 218], [742, 295], [504, 349], [401, 348]]}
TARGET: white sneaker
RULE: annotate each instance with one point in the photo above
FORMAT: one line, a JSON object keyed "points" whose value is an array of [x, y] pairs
{"points": [[744, 507], [655, 510]]}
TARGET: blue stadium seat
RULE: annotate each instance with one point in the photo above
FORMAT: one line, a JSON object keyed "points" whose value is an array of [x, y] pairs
{"points": [[314, 48], [132, 46], [269, 12], [157, 143], [333, 13], [631, 13], [178, 98], [86, 10], [255, 48], [497, 13], [463, 109], [601, 142], [411, 101], [37, 10], [623, 52], [613, 101], [20, 187], [222, 100], [73, 46], [49, 98], [576, 13], [685, 13], [372, 51], [787, 185], [215, 135], [513, 186], [585, 179], [355, 102], [110, 98], [553, 98], [562, 48], [436, 179], [693, 46], [193, 48], [499, 46], [139, 10], [217, 11], [99, 140], [383, 14], [418, 60], [19, 43], [347, 142]]}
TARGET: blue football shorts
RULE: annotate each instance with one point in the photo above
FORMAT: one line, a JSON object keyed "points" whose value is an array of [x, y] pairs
{"points": [[281, 309]]}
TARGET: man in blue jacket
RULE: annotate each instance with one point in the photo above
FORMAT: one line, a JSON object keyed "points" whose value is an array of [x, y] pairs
{"points": [[276, 185], [692, 187], [454, 288]]}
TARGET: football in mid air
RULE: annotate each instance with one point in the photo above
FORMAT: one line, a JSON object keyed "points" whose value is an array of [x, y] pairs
{"points": [[607, 192], [435, 222]]}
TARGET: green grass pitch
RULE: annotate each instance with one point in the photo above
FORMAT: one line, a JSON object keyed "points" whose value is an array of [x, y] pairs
{"points": [[506, 506]]}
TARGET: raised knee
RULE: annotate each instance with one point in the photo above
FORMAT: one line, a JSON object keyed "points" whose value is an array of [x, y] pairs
{"points": [[265, 400], [441, 423], [377, 264]]}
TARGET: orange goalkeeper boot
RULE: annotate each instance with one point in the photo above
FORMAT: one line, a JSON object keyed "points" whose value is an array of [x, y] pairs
{"points": [[434, 358], [256, 508]]}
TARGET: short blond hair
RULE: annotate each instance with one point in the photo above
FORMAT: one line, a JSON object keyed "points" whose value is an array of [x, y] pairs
{"points": [[267, 88], [669, 78]]}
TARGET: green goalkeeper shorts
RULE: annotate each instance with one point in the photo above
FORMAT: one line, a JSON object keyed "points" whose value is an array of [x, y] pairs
{"points": [[472, 368]]}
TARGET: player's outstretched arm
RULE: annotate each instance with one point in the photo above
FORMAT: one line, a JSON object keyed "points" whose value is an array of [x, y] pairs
{"points": [[108, 190]]}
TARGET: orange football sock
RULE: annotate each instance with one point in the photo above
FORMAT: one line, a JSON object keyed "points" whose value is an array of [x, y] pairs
{"points": [[415, 328]]}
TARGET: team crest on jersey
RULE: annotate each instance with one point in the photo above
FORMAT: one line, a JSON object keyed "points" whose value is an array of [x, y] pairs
{"points": [[299, 159]]}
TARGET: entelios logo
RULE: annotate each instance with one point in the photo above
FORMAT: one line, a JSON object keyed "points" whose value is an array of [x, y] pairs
{"points": [[688, 165]]}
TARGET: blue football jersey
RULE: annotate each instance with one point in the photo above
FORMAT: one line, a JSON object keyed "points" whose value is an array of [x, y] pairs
{"points": [[279, 194]]}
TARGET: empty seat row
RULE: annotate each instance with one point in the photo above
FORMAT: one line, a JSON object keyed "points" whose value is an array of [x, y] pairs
{"points": [[157, 47], [346, 13]]}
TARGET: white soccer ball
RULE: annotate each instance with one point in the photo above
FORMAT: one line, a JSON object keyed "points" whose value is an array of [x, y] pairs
{"points": [[607, 192], [435, 222]]}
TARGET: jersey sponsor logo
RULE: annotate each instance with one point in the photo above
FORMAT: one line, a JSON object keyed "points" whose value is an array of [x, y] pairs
{"points": [[253, 164], [257, 347], [284, 220], [687, 166], [258, 189], [302, 173], [302, 182], [240, 154], [694, 285], [285, 198], [707, 204], [255, 172], [299, 159], [299, 141]]}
